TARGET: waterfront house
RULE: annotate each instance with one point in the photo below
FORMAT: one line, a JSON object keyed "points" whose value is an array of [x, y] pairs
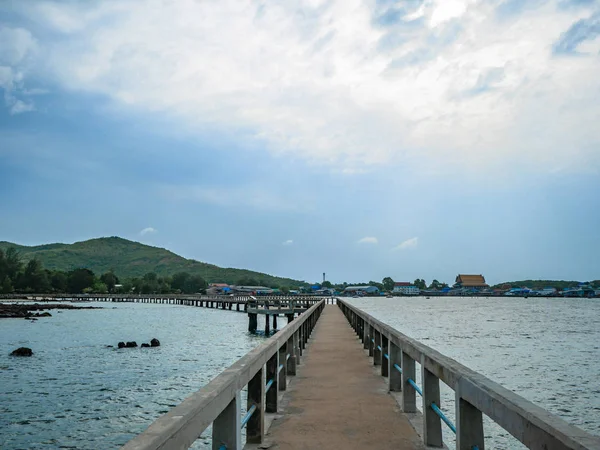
{"points": [[474, 282], [405, 288], [361, 290]]}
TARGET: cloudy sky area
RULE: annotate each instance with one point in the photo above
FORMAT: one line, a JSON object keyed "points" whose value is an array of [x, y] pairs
{"points": [[416, 138]]}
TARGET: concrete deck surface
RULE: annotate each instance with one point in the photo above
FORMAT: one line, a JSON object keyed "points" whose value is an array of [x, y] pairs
{"points": [[336, 401]]}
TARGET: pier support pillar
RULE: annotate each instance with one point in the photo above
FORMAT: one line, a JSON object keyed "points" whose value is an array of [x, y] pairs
{"points": [[395, 377], [371, 339], [274, 322], [255, 429], [432, 423], [289, 317], [409, 395], [297, 352], [365, 336], [226, 427], [291, 362], [282, 368], [385, 362], [377, 353], [469, 425], [271, 395], [267, 325], [252, 322]]}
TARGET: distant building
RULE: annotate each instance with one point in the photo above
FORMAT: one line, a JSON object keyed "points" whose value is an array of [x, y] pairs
{"points": [[405, 288], [218, 288], [362, 290], [470, 282], [252, 290]]}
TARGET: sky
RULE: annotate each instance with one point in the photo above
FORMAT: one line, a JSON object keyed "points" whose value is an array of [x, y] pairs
{"points": [[363, 139]]}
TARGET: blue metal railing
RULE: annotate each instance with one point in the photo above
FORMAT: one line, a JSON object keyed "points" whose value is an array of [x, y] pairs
{"points": [[447, 421], [398, 368], [268, 386], [414, 385], [280, 367], [248, 415]]}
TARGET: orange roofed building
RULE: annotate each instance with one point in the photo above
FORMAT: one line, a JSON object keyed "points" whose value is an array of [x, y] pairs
{"points": [[470, 281]]}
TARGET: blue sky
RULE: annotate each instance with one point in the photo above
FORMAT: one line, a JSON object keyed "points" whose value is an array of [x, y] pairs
{"points": [[359, 138]]}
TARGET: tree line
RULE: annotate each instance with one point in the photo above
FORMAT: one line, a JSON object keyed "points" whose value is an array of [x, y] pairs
{"points": [[31, 277]]}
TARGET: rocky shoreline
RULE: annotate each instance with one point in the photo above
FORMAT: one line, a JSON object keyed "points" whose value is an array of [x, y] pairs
{"points": [[20, 310]]}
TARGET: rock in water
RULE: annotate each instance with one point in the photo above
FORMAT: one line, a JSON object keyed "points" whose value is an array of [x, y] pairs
{"points": [[155, 342], [121, 344], [22, 351], [131, 344], [145, 345]]}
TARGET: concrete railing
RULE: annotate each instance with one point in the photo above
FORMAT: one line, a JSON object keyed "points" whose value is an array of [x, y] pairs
{"points": [[263, 370], [475, 394]]}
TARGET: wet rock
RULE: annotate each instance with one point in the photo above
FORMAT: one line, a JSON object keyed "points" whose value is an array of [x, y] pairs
{"points": [[109, 346], [22, 351], [131, 344], [121, 344], [144, 345], [155, 342]]}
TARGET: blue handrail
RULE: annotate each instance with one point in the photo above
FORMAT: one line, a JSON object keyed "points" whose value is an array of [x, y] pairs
{"points": [[379, 347], [280, 367], [447, 421], [287, 356], [248, 415], [398, 368], [385, 355], [223, 447], [417, 388], [268, 386]]}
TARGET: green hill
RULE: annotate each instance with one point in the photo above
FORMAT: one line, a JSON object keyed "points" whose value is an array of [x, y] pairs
{"points": [[133, 259]]}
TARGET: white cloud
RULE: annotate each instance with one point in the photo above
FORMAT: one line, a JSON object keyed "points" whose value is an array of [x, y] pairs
{"points": [[368, 240], [148, 230], [288, 242], [409, 243], [323, 81], [16, 44]]}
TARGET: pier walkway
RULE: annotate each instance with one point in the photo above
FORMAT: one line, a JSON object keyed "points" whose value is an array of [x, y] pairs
{"points": [[337, 400]]}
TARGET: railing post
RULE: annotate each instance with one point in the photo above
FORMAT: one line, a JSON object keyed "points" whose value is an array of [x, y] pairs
{"points": [[271, 399], [297, 351], [255, 428], [371, 338], [291, 362], [395, 377], [226, 429], [432, 423], [409, 395], [469, 424], [282, 382], [365, 335], [385, 362], [377, 354]]}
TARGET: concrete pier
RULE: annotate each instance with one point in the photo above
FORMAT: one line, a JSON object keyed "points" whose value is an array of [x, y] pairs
{"points": [[337, 401]]}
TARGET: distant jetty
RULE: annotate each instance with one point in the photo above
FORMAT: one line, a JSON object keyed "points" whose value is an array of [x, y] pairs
{"points": [[20, 310]]}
